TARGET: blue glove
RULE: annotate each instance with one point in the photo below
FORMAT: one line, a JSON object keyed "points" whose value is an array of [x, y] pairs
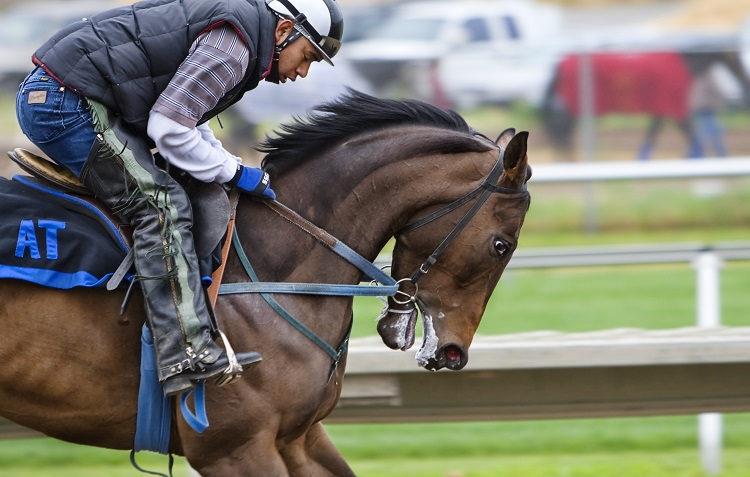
{"points": [[253, 181]]}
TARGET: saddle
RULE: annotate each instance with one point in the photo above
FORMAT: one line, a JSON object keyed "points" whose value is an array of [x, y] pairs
{"points": [[101, 241], [47, 170]]}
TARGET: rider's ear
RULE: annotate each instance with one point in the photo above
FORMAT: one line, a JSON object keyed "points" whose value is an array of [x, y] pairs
{"points": [[504, 137], [514, 159], [283, 28]]}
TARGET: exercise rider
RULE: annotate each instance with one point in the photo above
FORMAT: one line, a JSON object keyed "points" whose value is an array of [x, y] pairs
{"points": [[109, 88]]}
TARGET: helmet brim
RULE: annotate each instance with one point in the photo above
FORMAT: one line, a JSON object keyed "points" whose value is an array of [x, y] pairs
{"points": [[327, 41]]}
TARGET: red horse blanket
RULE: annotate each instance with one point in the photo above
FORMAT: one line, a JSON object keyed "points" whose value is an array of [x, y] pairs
{"points": [[650, 83]]}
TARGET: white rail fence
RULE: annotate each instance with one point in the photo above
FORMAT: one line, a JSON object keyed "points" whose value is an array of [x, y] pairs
{"points": [[646, 170]]}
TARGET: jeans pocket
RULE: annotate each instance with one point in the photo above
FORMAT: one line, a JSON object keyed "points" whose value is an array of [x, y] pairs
{"points": [[39, 113], [45, 111]]}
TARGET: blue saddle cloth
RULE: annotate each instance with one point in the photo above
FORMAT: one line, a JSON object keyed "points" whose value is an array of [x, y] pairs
{"points": [[55, 239]]}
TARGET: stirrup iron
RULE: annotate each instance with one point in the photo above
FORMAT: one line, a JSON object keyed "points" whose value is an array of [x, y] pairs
{"points": [[234, 369]]}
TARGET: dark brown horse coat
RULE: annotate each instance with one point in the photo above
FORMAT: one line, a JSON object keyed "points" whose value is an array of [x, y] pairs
{"points": [[71, 371]]}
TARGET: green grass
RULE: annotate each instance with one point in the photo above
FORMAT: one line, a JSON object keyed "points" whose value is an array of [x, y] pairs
{"points": [[698, 235], [657, 446], [606, 464], [531, 438], [600, 298], [49, 457]]}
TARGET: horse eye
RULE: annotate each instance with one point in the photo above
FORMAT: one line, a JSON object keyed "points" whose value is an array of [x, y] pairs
{"points": [[501, 247]]}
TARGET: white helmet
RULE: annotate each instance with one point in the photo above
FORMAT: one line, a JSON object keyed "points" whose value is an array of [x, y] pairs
{"points": [[320, 21]]}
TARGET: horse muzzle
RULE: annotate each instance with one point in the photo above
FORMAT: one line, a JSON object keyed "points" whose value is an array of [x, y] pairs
{"points": [[450, 356]]}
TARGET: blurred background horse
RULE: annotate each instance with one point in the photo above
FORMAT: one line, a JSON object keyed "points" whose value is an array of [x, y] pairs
{"points": [[661, 85]]}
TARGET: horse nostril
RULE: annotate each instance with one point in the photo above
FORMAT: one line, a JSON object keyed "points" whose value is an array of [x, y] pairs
{"points": [[453, 357], [452, 353], [449, 356]]}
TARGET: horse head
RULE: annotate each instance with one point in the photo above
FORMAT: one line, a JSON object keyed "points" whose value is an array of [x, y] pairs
{"points": [[453, 292]]}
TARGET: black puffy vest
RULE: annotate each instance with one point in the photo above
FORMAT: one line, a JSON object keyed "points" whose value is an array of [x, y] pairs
{"points": [[124, 58]]}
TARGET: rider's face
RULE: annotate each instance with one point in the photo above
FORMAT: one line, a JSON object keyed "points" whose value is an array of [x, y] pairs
{"points": [[296, 58]]}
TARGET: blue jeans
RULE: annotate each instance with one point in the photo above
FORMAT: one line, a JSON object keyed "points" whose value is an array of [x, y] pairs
{"points": [[56, 119], [709, 130]]}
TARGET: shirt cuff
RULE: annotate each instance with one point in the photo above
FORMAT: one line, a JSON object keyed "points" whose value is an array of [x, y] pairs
{"points": [[174, 114], [228, 170]]}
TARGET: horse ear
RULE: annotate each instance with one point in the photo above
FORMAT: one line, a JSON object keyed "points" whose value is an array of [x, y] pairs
{"points": [[504, 137], [514, 159]]}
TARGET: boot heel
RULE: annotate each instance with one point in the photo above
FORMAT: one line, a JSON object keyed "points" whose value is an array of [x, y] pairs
{"points": [[174, 385]]}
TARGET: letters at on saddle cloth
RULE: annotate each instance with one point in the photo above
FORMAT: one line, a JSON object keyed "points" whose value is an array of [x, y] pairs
{"points": [[54, 239]]}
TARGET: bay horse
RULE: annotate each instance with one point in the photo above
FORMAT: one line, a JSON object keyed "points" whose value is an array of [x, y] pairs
{"points": [[361, 168]]}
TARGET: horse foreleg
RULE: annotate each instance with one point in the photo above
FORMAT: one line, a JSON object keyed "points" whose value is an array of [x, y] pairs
{"points": [[258, 457], [322, 450], [314, 455]]}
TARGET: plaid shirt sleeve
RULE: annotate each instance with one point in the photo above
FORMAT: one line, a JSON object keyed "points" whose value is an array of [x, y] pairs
{"points": [[217, 62]]}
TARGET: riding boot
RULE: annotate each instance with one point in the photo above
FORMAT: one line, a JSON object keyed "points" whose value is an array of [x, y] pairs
{"points": [[121, 172]]}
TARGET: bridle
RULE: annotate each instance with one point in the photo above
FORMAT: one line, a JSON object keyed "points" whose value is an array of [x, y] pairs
{"points": [[480, 194]]}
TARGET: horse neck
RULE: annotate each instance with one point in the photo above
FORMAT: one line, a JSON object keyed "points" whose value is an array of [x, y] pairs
{"points": [[362, 192]]}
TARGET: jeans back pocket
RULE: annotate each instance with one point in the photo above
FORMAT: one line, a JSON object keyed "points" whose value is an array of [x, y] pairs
{"points": [[45, 109]]}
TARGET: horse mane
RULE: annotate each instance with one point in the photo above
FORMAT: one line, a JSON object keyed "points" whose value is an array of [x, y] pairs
{"points": [[355, 113]]}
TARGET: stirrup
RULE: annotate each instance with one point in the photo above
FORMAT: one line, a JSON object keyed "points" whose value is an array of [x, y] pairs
{"points": [[221, 370], [234, 369]]}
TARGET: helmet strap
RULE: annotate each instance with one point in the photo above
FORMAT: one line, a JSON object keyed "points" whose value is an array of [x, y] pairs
{"points": [[273, 76], [293, 35]]}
